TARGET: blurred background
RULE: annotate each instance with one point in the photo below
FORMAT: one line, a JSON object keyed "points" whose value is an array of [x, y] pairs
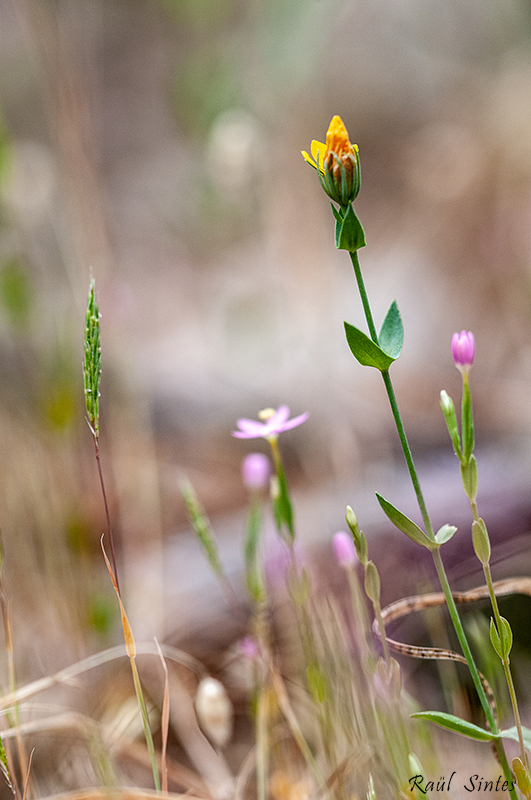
{"points": [[155, 145]]}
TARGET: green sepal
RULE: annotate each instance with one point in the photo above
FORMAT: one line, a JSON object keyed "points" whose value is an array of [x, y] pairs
{"points": [[391, 336], [365, 351], [512, 733], [372, 582], [371, 793], [467, 422], [405, 524], [469, 477], [481, 541], [450, 417], [445, 533], [350, 235], [502, 640], [456, 724], [282, 508]]}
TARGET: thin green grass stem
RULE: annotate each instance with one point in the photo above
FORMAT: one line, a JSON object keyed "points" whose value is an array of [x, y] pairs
{"points": [[441, 572], [145, 723]]}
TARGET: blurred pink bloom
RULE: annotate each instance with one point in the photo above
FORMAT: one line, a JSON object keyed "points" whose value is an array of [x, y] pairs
{"points": [[256, 469], [463, 350], [249, 648], [275, 422], [344, 549]]}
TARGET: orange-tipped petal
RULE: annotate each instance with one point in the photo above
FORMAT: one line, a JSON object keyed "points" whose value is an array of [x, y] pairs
{"points": [[337, 139]]}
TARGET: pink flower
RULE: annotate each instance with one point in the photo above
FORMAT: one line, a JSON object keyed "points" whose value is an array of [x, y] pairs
{"points": [[344, 549], [249, 648], [256, 469], [463, 350], [275, 422]]}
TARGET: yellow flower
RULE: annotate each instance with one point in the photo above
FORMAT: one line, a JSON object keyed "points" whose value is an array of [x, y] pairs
{"points": [[337, 163]]}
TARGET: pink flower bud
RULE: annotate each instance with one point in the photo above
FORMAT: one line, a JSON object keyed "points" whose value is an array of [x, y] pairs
{"points": [[344, 549], [249, 648], [463, 350], [256, 469]]}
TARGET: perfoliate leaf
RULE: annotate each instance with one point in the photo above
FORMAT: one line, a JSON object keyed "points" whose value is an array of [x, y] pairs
{"points": [[391, 336], [350, 235], [405, 524], [365, 351], [445, 533], [495, 639], [502, 640], [456, 724], [512, 733]]}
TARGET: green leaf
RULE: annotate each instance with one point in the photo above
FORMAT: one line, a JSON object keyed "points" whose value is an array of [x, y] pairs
{"points": [[351, 235], [512, 733], [365, 351], [405, 524], [445, 533], [456, 724], [391, 336]]}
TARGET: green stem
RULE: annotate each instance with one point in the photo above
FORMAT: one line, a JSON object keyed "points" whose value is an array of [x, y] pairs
{"points": [[506, 665], [145, 723], [429, 530], [407, 454], [363, 295]]}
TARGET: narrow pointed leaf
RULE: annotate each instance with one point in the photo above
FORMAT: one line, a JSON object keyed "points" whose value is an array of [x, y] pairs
{"points": [[365, 351], [456, 724], [405, 524], [391, 336]]}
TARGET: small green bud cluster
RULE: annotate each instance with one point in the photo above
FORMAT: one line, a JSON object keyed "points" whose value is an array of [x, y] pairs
{"points": [[92, 361]]}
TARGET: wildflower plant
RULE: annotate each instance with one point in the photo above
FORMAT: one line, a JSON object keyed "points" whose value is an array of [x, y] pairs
{"points": [[333, 163]]}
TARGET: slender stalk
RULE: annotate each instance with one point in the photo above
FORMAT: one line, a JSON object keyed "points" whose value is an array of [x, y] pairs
{"points": [[506, 666], [106, 506], [363, 295], [429, 530], [381, 627], [145, 723]]}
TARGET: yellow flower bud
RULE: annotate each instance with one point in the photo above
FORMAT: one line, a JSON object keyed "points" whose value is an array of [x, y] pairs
{"points": [[337, 163]]}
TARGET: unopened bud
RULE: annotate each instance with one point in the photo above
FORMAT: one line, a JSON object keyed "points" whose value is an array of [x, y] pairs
{"points": [[256, 469], [344, 549], [463, 350], [522, 777], [481, 542], [214, 711], [372, 582]]}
